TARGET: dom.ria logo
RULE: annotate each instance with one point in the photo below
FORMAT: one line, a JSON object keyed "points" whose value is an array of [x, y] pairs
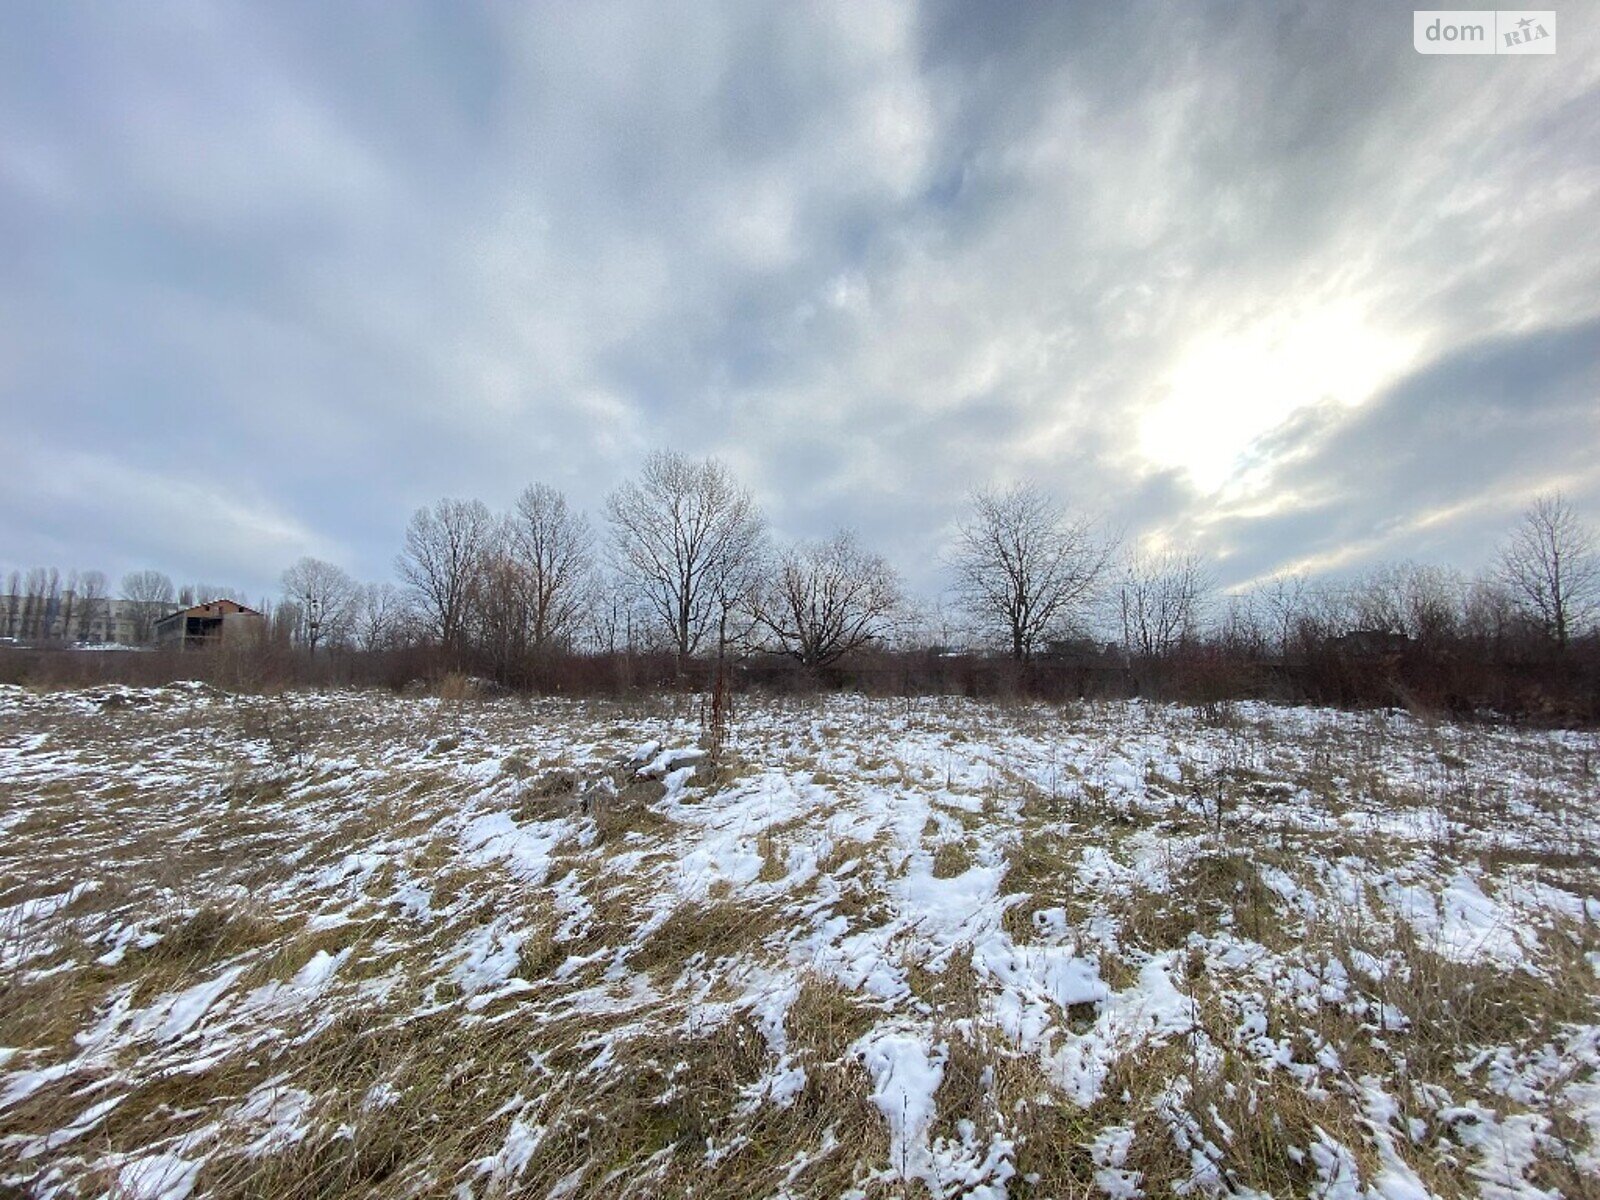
{"points": [[1479, 31]]}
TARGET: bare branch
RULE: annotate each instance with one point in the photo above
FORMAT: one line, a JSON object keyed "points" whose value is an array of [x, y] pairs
{"points": [[691, 540], [1551, 567], [1024, 568], [828, 599]]}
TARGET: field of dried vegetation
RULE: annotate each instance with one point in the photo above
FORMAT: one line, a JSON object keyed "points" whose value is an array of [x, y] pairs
{"points": [[362, 944]]}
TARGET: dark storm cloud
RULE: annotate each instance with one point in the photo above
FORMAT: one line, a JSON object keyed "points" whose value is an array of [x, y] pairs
{"points": [[1219, 271]]}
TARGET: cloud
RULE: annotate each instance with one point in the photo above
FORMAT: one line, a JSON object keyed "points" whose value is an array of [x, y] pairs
{"points": [[88, 508], [1189, 267], [1468, 440]]}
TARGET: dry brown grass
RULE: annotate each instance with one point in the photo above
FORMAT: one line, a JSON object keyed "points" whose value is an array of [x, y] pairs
{"points": [[1455, 1005], [45, 1007], [1219, 889], [825, 1019], [630, 811], [952, 859], [640, 1060], [951, 991], [708, 932], [1039, 865]]}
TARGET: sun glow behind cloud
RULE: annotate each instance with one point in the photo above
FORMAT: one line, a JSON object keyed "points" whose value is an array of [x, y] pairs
{"points": [[1231, 385]]}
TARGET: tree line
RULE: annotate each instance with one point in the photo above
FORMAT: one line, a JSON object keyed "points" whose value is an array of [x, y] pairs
{"points": [[684, 565]]}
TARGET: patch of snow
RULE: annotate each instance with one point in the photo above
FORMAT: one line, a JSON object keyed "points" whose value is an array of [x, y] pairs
{"points": [[527, 848], [157, 1177], [906, 1072], [1109, 1150]]}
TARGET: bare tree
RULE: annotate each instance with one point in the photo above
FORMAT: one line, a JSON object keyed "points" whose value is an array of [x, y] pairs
{"points": [[47, 603], [444, 549], [607, 609], [927, 625], [1435, 598], [735, 583], [35, 592], [1244, 628], [687, 536], [1327, 612], [618, 617], [52, 604], [1422, 602], [325, 596], [1376, 601], [1025, 569], [1489, 611], [204, 593], [91, 602], [14, 605], [829, 598], [69, 602], [499, 607], [379, 616], [1551, 566], [529, 591], [149, 593], [1284, 602], [554, 547], [285, 622], [1161, 601]]}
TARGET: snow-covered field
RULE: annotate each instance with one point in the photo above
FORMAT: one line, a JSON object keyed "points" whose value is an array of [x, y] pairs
{"points": [[365, 944]]}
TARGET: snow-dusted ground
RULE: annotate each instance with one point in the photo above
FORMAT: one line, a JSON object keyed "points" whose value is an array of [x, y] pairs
{"points": [[360, 943]]}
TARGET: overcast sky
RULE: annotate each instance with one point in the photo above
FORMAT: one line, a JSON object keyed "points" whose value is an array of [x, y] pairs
{"points": [[1256, 279]]}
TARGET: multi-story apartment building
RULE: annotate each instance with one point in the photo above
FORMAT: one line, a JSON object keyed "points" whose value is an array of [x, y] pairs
{"points": [[68, 618]]}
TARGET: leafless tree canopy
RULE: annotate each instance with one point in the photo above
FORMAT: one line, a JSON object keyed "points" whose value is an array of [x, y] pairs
{"points": [[517, 597], [1282, 604], [1161, 602], [1025, 569], [1421, 601], [326, 598], [14, 605], [91, 601], [445, 547], [1489, 613], [204, 593], [150, 593], [829, 598], [147, 587], [531, 587], [498, 606], [68, 605], [41, 594], [616, 617], [690, 539], [1551, 567], [380, 616], [554, 547]]}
